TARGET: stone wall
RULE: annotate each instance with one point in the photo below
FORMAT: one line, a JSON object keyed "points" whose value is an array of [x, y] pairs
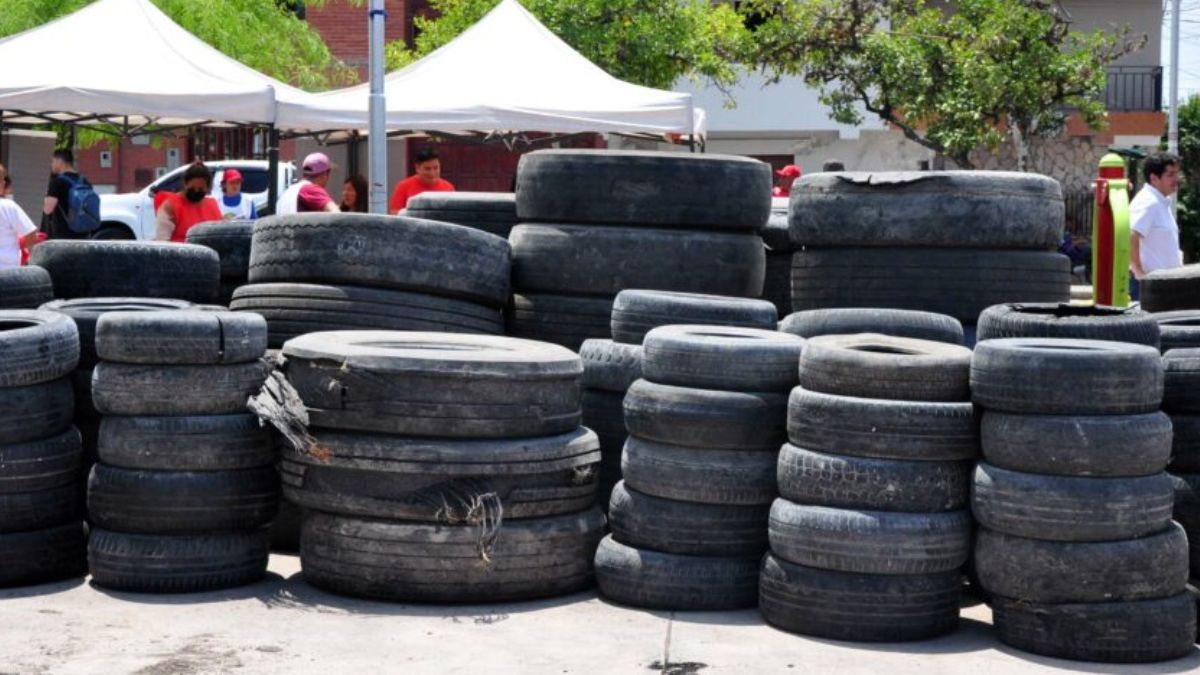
{"points": [[1071, 160]]}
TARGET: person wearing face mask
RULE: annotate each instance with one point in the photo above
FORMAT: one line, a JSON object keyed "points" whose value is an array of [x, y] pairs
{"points": [[191, 207]]}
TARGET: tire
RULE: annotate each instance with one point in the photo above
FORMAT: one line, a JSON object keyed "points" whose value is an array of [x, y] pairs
{"points": [[951, 209], [1064, 320], [1181, 379], [37, 347], [86, 312], [864, 427], [1187, 500], [26, 287], [858, 607], [1059, 508], [1185, 445], [142, 390], [1154, 566], [432, 384], [603, 414], [1171, 290], [197, 443], [900, 369], [706, 418], [818, 479], [728, 359], [687, 528], [99, 269], [1066, 377], [43, 556], [181, 338], [777, 281], [595, 260], [636, 313], [1101, 446], [869, 542], [702, 476], [398, 561], [564, 320], [39, 483], [405, 254], [959, 283], [231, 240], [491, 212], [35, 411], [292, 310], [1144, 631], [1178, 330], [444, 481], [894, 322], [182, 502], [610, 366], [154, 563], [682, 583], [637, 187]]}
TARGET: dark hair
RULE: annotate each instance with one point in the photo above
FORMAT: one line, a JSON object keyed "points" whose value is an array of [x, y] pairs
{"points": [[361, 194], [1156, 164], [426, 154], [198, 170], [833, 165], [65, 155]]}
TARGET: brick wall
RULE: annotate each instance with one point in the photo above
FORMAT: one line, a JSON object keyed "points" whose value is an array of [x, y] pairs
{"points": [[344, 28]]}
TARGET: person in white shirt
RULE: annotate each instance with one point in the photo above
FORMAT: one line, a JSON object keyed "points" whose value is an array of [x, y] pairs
{"points": [[16, 229], [1154, 234]]}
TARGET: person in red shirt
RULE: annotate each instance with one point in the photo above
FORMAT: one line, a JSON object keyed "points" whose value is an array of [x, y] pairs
{"points": [[194, 205], [427, 179], [789, 174]]}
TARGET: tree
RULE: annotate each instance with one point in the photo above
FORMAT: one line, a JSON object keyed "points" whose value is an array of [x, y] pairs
{"points": [[950, 80], [1189, 187]]}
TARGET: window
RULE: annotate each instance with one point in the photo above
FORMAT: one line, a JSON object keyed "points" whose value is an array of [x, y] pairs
{"points": [[254, 181], [172, 184]]}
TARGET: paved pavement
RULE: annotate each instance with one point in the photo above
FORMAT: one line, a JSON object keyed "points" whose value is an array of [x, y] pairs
{"points": [[283, 625]]}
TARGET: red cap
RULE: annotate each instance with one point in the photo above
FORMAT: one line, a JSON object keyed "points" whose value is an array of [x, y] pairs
{"points": [[789, 171], [231, 175]]}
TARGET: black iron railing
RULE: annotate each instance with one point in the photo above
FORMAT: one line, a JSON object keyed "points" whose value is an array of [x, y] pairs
{"points": [[1134, 89]]}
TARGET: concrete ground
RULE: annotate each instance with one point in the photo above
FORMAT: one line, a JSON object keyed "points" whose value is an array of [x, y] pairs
{"points": [[283, 625]]}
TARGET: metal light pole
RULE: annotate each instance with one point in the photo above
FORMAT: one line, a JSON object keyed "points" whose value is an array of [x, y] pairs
{"points": [[378, 112], [1173, 129]]}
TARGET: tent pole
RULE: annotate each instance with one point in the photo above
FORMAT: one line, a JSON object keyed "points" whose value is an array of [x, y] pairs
{"points": [[377, 155], [272, 168]]}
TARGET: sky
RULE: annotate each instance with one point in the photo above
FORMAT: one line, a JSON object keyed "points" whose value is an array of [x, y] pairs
{"points": [[1189, 48]]}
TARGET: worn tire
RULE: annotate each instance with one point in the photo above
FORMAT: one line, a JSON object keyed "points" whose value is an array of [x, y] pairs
{"points": [[156, 563], [682, 583], [687, 528], [197, 443], [724, 358], [1143, 631], [777, 281], [1171, 290], [900, 369], [635, 313], [699, 475], [858, 607], [610, 366], [144, 390], [597, 260], [1064, 320], [419, 562], [637, 187], [406, 254], [959, 283], [603, 414], [182, 502], [706, 418], [819, 479], [435, 384], [231, 240], [181, 338], [36, 347], [869, 542], [567, 320], [1061, 508], [26, 287], [1099, 446], [1185, 445], [491, 212], [1178, 330], [894, 322], [98, 269], [42, 556], [864, 427], [443, 481], [86, 313], [39, 483], [35, 411], [1066, 377], [1187, 500], [1181, 381], [1005, 210]]}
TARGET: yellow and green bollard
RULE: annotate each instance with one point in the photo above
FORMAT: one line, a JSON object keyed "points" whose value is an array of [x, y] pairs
{"points": [[1110, 234]]}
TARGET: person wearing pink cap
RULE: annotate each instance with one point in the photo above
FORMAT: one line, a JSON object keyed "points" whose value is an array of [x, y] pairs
{"points": [[309, 194], [234, 205], [789, 174]]}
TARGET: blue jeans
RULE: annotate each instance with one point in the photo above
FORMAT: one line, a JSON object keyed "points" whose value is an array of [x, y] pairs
{"points": [[1135, 290]]}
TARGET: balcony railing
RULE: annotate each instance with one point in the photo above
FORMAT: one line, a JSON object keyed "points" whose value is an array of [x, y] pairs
{"points": [[1134, 89]]}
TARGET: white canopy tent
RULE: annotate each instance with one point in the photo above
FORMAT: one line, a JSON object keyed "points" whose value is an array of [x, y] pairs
{"points": [[508, 72]]}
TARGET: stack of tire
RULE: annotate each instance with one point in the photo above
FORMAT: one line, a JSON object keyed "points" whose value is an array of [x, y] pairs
{"points": [[26, 287], [1178, 329], [491, 212], [186, 482], [41, 512], [610, 367], [1171, 290], [689, 520], [894, 322], [103, 269], [595, 223], [1076, 548], [1064, 320], [231, 240], [328, 272], [872, 526], [1181, 400], [951, 242], [441, 467], [777, 283]]}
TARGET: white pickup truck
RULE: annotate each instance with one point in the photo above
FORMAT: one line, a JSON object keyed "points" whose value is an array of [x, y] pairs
{"points": [[131, 215]]}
